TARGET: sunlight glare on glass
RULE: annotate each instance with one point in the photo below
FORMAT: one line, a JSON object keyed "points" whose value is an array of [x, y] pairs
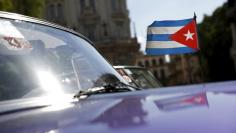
{"points": [[54, 93], [48, 82]]}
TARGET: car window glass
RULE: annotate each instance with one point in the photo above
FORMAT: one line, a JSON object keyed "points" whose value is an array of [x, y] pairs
{"points": [[37, 60]]}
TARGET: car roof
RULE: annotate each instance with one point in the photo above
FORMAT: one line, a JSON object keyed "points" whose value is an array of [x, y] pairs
{"points": [[15, 16]]}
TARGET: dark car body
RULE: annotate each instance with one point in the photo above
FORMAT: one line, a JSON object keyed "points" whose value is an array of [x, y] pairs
{"points": [[199, 108], [192, 109], [138, 76]]}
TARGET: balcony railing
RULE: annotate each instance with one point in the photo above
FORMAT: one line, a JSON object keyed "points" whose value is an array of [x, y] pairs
{"points": [[119, 15], [89, 15]]}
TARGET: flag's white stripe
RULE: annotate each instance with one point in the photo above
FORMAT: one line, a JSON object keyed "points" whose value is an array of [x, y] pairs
{"points": [[163, 30], [164, 44]]}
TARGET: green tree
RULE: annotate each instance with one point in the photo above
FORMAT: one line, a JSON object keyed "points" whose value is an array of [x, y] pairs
{"points": [[6, 5], [215, 43], [32, 8]]}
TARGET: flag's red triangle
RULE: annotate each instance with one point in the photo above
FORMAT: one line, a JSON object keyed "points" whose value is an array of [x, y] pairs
{"points": [[187, 35]]}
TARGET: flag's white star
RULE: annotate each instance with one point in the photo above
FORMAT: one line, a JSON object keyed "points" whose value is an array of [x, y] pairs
{"points": [[189, 35]]}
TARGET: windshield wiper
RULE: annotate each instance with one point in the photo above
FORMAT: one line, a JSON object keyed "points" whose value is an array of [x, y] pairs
{"points": [[108, 88]]}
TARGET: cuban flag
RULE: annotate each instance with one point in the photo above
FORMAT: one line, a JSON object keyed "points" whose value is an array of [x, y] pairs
{"points": [[172, 37], [182, 102]]}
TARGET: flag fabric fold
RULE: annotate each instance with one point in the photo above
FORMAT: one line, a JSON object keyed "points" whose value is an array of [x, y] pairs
{"points": [[172, 37]]}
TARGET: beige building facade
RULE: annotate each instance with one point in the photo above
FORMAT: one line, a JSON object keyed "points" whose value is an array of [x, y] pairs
{"points": [[105, 22]]}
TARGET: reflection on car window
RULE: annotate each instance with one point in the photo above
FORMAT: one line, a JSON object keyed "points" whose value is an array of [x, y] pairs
{"points": [[36, 60]]}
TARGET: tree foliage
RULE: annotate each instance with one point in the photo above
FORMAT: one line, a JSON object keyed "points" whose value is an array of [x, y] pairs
{"points": [[215, 43], [32, 8], [6, 5]]}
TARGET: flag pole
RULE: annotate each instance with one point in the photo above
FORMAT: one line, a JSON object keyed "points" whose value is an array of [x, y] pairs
{"points": [[195, 17], [188, 67], [187, 72]]}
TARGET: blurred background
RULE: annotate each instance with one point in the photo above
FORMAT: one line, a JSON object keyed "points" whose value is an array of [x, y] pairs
{"points": [[118, 29]]}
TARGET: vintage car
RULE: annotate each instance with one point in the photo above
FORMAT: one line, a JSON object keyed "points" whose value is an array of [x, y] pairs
{"points": [[52, 80], [138, 76]]}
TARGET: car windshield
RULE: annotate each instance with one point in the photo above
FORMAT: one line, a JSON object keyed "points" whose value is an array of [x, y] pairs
{"points": [[37, 60]]}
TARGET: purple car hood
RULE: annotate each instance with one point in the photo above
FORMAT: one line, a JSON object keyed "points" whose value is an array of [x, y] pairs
{"points": [[209, 108]]}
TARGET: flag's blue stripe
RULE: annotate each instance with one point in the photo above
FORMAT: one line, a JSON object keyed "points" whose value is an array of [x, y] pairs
{"points": [[159, 37], [162, 51], [170, 23]]}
